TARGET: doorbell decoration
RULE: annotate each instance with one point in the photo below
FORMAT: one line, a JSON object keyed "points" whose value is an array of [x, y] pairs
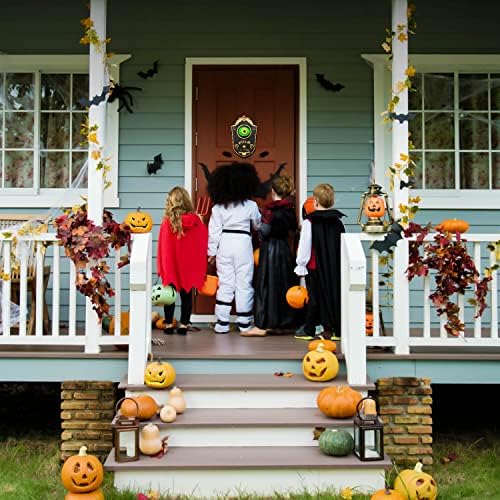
{"points": [[244, 135]]}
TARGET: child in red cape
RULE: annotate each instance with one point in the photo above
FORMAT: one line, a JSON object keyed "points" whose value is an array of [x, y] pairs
{"points": [[182, 255]]}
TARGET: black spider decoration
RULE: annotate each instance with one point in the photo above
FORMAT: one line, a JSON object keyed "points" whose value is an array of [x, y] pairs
{"points": [[123, 95]]}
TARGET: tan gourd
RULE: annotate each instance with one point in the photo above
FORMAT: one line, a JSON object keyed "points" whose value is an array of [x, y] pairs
{"points": [[168, 414], [176, 399], [149, 440]]}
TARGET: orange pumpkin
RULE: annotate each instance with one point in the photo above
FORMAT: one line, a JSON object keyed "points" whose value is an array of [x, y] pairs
{"points": [[369, 324], [297, 297], [338, 401], [93, 495], [387, 494], [309, 205], [256, 255], [328, 345], [374, 207], [124, 325], [82, 473], [147, 407], [139, 222], [210, 286], [453, 226]]}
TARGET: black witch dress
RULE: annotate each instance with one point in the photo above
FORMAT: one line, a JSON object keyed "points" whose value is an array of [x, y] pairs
{"points": [[274, 274]]}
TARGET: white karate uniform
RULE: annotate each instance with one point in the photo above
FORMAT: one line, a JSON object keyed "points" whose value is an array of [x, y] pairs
{"points": [[229, 238]]}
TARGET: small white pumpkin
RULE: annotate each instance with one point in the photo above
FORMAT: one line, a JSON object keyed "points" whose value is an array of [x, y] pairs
{"points": [[168, 414], [176, 399]]}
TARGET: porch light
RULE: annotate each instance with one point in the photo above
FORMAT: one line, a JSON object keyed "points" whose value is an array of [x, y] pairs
{"points": [[368, 432], [374, 215], [126, 435]]}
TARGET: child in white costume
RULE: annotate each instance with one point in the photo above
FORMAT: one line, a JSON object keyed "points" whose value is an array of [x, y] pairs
{"points": [[233, 217]]}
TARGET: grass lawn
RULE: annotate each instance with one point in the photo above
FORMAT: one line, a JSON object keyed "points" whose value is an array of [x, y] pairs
{"points": [[30, 469]]}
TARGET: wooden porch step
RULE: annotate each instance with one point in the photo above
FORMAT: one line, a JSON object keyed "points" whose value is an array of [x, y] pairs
{"points": [[206, 473], [252, 417], [249, 457], [268, 382]]}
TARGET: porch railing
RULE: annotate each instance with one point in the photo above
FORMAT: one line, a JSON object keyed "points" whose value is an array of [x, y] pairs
{"points": [[51, 312], [361, 272]]}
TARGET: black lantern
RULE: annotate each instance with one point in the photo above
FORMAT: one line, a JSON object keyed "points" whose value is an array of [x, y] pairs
{"points": [[126, 435], [368, 432]]}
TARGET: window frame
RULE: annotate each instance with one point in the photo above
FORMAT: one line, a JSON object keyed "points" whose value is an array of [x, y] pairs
{"points": [[478, 199], [49, 197]]}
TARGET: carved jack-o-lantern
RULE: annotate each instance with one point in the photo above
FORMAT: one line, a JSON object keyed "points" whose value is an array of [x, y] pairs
{"points": [[416, 485], [139, 222], [159, 375], [320, 365], [375, 207], [82, 473], [369, 324]]}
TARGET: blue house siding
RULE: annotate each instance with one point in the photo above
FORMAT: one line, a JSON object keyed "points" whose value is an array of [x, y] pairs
{"points": [[331, 35]]}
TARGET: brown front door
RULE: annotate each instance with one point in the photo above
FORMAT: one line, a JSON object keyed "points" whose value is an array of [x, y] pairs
{"points": [[267, 95]]}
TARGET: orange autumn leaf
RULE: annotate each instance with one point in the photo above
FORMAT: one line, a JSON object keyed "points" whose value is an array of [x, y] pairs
{"points": [[92, 137], [96, 155]]}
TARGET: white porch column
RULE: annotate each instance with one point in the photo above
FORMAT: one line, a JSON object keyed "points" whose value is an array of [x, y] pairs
{"points": [[97, 116], [401, 314]]}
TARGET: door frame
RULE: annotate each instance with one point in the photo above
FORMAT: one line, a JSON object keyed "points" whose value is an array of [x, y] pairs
{"points": [[190, 63]]}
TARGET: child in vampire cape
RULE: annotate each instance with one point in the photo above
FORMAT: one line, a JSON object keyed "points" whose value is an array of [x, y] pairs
{"points": [[318, 259], [181, 259], [274, 273], [233, 217]]}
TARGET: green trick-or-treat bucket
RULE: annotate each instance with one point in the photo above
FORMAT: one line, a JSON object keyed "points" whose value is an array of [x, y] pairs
{"points": [[163, 295]]}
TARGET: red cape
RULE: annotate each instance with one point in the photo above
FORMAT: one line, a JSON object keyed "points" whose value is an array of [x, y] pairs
{"points": [[182, 261]]}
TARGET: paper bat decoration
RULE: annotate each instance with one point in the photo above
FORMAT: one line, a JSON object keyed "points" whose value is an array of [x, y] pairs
{"points": [[327, 84], [123, 95], [264, 154], [404, 184], [152, 168], [150, 72], [97, 99], [227, 154], [401, 117], [390, 241], [265, 187]]}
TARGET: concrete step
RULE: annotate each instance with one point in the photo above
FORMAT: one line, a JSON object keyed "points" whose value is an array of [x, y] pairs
{"points": [[213, 472], [245, 391], [247, 427]]}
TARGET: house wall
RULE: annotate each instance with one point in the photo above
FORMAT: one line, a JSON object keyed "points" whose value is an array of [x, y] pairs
{"points": [[331, 35]]}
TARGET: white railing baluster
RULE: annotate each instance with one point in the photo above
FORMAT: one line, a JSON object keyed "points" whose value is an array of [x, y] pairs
{"points": [[427, 307], [375, 293], [442, 331], [477, 262], [118, 294], [56, 287], [23, 286], [494, 296], [461, 307], [72, 300], [39, 289], [6, 288]]}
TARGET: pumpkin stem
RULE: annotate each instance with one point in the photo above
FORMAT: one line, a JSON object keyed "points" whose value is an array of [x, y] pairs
{"points": [[320, 347], [83, 451], [418, 467]]}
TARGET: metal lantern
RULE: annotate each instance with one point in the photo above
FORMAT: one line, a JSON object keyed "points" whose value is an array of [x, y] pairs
{"points": [[374, 215], [368, 432], [126, 435]]}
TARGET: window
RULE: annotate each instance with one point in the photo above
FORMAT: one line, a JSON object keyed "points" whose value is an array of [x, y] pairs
{"points": [[454, 128], [41, 150]]}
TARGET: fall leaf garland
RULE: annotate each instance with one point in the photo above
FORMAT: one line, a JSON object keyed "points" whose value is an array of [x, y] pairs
{"points": [[88, 245]]}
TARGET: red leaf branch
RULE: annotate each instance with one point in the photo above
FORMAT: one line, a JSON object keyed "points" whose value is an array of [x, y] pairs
{"points": [[87, 245]]}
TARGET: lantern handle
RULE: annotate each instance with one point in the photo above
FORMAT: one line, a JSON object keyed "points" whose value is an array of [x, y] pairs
{"points": [[358, 408], [120, 401]]}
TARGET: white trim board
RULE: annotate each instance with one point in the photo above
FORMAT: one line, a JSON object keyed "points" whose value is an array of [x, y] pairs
{"points": [[474, 199], [300, 62]]}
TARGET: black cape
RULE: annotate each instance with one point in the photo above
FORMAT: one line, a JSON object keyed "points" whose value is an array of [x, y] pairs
{"points": [[274, 274], [326, 230]]}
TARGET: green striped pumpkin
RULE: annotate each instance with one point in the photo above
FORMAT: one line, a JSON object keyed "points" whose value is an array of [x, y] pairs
{"points": [[336, 442]]}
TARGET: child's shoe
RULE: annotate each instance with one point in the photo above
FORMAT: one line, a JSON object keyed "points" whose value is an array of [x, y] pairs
{"points": [[182, 329], [169, 329]]}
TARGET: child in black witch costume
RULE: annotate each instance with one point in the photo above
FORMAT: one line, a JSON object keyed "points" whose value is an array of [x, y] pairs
{"points": [[318, 258], [274, 274]]}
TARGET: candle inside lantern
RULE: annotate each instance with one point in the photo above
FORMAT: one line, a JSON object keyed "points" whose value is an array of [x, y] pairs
{"points": [[369, 407]]}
